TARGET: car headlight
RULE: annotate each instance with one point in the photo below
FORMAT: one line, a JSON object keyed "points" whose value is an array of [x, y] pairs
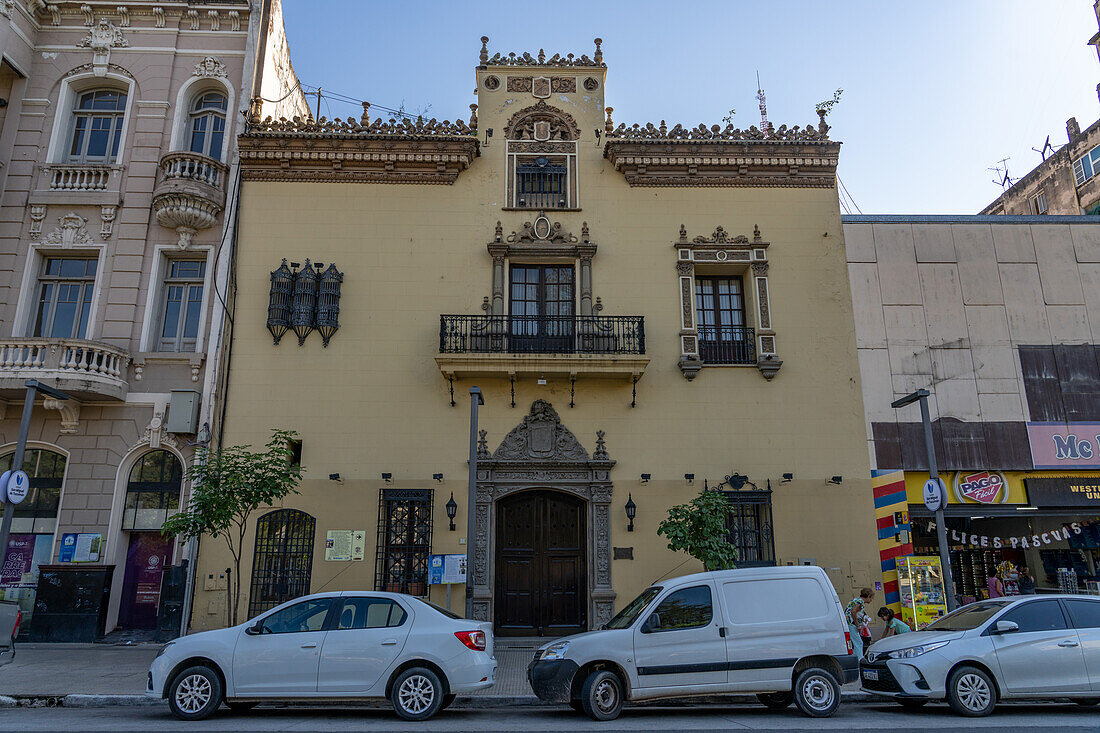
{"points": [[556, 651], [915, 651], [164, 648]]}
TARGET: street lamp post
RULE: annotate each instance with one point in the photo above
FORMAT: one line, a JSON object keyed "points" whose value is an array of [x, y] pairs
{"points": [[471, 497], [33, 388], [921, 395]]}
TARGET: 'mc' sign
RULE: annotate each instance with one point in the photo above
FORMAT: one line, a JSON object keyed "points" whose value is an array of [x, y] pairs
{"points": [[1062, 445]]}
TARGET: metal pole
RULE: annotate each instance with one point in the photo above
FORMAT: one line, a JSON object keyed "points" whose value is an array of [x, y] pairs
{"points": [[471, 498], [17, 464], [941, 530]]}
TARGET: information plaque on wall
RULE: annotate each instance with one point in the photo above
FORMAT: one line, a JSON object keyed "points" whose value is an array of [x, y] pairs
{"points": [[342, 545]]}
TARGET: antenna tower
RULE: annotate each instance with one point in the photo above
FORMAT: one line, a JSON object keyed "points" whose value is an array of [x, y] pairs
{"points": [[765, 126], [1001, 169]]}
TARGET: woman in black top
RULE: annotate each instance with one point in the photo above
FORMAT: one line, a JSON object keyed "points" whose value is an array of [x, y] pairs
{"points": [[1027, 583]]}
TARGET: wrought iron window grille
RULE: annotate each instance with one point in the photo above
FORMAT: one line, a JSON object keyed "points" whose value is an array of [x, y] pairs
{"points": [[541, 184], [404, 541], [749, 526], [727, 344], [305, 300], [282, 563]]}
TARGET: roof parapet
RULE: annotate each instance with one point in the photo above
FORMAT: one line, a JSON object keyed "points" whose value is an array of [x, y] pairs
{"points": [[526, 59]]}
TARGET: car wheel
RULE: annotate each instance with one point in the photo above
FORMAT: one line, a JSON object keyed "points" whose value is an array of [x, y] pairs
{"points": [[1088, 702], [602, 695], [195, 693], [912, 704], [417, 694], [447, 700], [241, 707], [816, 693], [970, 692], [776, 700]]}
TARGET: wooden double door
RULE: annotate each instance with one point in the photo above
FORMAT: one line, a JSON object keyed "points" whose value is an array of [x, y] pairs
{"points": [[541, 587]]}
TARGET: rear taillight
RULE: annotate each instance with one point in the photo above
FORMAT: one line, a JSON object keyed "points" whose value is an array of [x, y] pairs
{"points": [[18, 623], [848, 641], [472, 639]]}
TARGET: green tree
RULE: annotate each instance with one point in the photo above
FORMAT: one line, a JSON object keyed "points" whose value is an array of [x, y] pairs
{"points": [[699, 529], [227, 485]]}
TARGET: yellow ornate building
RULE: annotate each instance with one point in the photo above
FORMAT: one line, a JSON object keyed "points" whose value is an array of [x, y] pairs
{"points": [[648, 310]]}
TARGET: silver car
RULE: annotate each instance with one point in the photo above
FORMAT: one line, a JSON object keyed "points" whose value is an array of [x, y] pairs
{"points": [[1024, 647]]}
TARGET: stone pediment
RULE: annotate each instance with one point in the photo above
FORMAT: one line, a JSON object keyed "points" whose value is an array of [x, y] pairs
{"points": [[541, 437]]}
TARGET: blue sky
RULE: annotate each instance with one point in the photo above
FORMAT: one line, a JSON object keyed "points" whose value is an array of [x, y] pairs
{"points": [[935, 92]]}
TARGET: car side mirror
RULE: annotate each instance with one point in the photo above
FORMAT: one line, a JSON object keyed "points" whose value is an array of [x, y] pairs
{"points": [[254, 629], [1006, 627], [652, 623]]}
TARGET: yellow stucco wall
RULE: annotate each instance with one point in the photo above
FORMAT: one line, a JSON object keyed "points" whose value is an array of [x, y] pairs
{"points": [[374, 401]]}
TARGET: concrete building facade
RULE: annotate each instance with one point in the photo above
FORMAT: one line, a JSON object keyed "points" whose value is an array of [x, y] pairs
{"points": [[119, 179], [999, 318]]}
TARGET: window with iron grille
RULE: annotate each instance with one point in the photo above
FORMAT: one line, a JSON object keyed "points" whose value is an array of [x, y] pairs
{"points": [[749, 527], [541, 184], [282, 564], [720, 313], [404, 541]]}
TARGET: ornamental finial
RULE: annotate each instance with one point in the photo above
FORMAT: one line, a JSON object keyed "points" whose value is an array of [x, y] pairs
{"points": [[484, 58], [598, 57]]}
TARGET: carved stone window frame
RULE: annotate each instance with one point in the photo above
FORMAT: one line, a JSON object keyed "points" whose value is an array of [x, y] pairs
{"points": [[542, 454], [718, 252], [541, 131], [541, 242]]}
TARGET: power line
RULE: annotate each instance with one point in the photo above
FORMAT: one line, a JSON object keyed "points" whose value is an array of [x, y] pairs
{"points": [[348, 99], [848, 194]]}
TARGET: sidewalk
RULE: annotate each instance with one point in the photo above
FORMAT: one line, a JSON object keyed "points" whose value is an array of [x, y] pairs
{"points": [[119, 672]]}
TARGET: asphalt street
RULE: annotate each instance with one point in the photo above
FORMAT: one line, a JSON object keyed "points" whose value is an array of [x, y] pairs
{"points": [[852, 717]]}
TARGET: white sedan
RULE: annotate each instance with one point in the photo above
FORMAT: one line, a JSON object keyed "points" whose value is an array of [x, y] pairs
{"points": [[329, 645], [1023, 647]]}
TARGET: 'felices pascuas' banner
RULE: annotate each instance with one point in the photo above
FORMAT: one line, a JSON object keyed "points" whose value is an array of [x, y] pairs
{"points": [[1012, 543]]}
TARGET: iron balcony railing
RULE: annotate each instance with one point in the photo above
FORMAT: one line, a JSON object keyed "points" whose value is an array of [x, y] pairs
{"points": [[459, 334], [541, 186], [727, 345]]}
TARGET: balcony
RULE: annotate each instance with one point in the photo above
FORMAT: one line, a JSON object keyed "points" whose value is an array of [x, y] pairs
{"points": [[190, 194], [79, 183], [87, 370], [728, 345], [514, 346]]}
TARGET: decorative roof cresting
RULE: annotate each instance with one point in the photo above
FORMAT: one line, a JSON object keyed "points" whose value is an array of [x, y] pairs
{"points": [[649, 131], [526, 59], [324, 126]]}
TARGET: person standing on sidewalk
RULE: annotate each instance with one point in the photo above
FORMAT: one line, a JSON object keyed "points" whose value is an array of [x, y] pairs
{"points": [[994, 585], [1027, 582], [858, 619]]}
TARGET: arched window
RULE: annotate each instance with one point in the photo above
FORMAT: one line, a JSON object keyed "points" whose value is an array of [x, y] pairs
{"points": [[208, 124], [97, 126], [153, 491], [282, 563], [37, 514]]}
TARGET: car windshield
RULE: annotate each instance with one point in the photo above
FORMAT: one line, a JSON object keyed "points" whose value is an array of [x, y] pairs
{"points": [[633, 609], [968, 617], [440, 609]]}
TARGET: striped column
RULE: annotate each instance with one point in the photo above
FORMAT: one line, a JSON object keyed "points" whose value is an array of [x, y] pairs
{"points": [[889, 492]]}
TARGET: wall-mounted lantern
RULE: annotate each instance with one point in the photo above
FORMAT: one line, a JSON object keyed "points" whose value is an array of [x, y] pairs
{"points": [[452, 510], [631, 510]]}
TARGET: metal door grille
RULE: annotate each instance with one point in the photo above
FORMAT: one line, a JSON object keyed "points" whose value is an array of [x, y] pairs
{"points": [[282, 564], [749, 527], [404, 541]]}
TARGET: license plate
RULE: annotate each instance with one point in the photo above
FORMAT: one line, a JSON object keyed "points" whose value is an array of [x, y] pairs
{"points": [[870, 674]]}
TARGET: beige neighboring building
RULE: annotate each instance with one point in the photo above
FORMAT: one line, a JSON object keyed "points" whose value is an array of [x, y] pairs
{"points": [[118, 168], [998, 317], [1067, 182], [647, 309]]}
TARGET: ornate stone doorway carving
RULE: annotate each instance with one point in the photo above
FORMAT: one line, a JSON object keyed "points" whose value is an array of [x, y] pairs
{"points": [[541, 453]]}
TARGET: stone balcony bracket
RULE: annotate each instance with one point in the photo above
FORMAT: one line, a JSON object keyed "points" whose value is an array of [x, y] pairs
{"points": [[190, 194]]}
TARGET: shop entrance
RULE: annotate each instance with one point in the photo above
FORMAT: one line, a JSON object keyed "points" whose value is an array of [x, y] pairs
{"points": [[540, 564], [146, 558]]}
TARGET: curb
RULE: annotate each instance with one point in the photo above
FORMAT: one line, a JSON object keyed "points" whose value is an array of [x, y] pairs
{"points": [[475, 702]]}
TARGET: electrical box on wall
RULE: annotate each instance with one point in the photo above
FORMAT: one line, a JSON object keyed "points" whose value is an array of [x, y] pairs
{"points": [[183, 411]]}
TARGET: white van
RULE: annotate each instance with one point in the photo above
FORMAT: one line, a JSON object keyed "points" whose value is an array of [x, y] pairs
{"points": [[776, 632]]}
